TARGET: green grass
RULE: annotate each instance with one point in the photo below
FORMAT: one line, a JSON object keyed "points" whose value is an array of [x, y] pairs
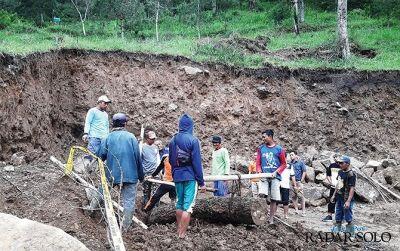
{"points": [[181, 38]]}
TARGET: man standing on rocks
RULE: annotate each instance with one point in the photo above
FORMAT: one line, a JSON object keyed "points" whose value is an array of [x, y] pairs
{"points": [[271, 158], [187, 171], [150, 160], [300, 171], [220, 165], [345, 189], [96, 125], [331, 175], [124, 166]]}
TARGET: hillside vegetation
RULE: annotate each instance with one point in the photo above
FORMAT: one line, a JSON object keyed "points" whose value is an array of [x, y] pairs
{"points": [[232, 35]]}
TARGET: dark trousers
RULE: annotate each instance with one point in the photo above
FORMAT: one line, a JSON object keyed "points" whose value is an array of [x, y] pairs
{"points": [[155, 198], [331, 206]]}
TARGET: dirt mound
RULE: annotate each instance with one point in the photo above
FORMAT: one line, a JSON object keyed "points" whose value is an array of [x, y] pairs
{"points": [[44, 98]]}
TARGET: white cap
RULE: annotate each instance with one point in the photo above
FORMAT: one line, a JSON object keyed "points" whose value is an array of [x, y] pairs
{"points": [[103, 98], [151, 135]]}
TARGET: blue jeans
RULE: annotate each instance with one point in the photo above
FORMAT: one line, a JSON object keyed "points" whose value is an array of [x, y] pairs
{"points": [[221, 187], [128, 196], [93, 146], [343, 213]]}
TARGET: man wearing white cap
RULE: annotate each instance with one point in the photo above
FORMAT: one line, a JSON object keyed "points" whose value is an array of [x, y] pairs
{"points": [[150, 161], [96, 125]]}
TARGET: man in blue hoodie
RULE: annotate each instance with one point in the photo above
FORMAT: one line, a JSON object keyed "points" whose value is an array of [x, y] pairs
{"points": [[124, 165], [187, 171]]}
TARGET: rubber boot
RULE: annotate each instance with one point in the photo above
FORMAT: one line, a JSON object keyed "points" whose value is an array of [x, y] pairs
{"points": [[127, 220], [337, 227], [350, 228]]}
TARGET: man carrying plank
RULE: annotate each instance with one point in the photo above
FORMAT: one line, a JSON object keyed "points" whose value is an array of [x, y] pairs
{"points": [[187, 171], [271, 158]]}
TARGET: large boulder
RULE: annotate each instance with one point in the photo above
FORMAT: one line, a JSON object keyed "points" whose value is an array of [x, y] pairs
{"points": [[379, 176], [309, 154], [314, 195], [318, 167], [365, 191], [373, 164], [356, 163], [24, 234], [310, 174], [388, 162], [392, 176]]}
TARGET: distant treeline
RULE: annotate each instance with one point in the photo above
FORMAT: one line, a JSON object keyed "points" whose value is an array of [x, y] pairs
{"points": [[133, 12]]}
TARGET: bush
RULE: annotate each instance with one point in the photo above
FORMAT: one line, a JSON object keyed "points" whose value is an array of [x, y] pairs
{"points": [[7, 19], [280, 12]]}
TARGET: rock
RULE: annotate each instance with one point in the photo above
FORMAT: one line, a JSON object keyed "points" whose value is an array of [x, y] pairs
{"points": [[356, 163], [310, 174], [388, 162], [365, 191], [240, 163], [326, 194], [379, 176], [318, 167], [18, 159], [9, 168], [313, 192], [317, 203], [392, 175], [193, 70], [24, 234], [2, 163], [343, 110], [368, 171], [309, 154], [373, 164], [172, 107], [320, 177], [338, 105], [325, 154]]}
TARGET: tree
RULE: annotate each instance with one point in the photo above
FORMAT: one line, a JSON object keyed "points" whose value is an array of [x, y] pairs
{"points": [[301, 11], [343, 41], [296, 16], [252, 5], [83, 6]]}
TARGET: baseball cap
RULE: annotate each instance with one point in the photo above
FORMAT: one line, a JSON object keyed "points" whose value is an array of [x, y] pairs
{"points": [[344, 158], [103, 98], [216, 139], [151, 135]]}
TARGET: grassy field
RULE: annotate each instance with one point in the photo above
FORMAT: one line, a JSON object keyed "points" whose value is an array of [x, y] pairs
{"points": [[178, 37]]}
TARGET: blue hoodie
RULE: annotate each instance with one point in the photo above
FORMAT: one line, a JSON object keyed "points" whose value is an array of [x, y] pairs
{"points": [[185, 153]]}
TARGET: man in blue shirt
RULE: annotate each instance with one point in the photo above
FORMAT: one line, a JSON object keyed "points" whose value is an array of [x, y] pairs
{"points": [[124, 166], [299, 169], [187, 171], [96, 125]]}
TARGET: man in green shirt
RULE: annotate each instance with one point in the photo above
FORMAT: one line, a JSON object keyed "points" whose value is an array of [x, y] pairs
{"points": [[220, 165]]}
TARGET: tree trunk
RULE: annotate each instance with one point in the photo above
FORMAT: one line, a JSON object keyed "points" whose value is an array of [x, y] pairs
{"points": [[343, 41], [214, 6], [83, 27], [252, 5], [157, 11], [198, 18], [301, 11], [236, 210], [296, 16]]}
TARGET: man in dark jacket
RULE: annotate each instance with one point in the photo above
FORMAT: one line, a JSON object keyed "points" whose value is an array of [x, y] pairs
{"points": [[124, 166], [187, 171]]}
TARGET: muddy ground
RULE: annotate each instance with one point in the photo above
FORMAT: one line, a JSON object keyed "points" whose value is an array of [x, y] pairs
{"points": [[44, 98]]}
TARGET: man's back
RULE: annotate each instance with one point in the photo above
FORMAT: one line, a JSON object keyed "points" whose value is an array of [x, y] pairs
{"points": [[121, 150]]}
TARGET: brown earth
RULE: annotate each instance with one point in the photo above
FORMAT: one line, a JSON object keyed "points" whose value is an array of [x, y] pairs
{"points": [[44, 98]]}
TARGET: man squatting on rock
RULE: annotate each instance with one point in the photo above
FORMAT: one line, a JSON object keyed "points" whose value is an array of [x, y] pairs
{"points": [[345, 190], [187, 171], [271, 158], [96, 126], [124, 166]]}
